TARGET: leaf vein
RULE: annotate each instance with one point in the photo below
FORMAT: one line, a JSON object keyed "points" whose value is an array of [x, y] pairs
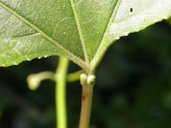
{"points": [[100, 51], [73, 57], [80, 31]]}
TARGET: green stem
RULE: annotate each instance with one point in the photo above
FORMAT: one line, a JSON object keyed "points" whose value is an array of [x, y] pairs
{"points": [[60, 89], [74, 76], [34, 80]]}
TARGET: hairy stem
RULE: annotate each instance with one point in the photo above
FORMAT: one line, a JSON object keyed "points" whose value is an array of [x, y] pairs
{"points": [[60, 95]]}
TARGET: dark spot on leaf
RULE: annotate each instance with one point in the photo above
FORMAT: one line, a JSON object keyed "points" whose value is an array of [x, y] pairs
{"points": [[131, 9]]}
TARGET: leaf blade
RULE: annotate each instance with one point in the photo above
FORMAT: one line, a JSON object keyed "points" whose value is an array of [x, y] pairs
{"points": [[117, 29], [18, 52], [80, 30], [76, 58]]}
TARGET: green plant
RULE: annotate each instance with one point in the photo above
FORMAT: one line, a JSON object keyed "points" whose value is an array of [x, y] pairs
{"points": [[81, 31]]}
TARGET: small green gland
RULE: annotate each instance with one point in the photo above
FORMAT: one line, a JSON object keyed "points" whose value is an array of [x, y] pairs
{"points": [[83, 78], [33, 82], [91, 80]]}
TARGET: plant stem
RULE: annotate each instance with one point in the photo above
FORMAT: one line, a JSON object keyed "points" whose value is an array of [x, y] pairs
{"points": [[74, 76], [60, 95], [86, 102]]}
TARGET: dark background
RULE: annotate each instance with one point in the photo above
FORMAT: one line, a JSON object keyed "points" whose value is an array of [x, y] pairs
{"points": [[133, 88]]}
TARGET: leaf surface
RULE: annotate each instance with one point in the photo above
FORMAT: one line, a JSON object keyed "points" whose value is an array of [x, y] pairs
{"points": [[81, 30]]}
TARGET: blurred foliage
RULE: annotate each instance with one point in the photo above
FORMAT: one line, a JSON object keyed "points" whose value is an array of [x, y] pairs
{"points": [[169, 20], [133, 88]]}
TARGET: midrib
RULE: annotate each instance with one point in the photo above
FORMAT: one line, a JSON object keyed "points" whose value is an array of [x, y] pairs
{"points": [[80, 31]]}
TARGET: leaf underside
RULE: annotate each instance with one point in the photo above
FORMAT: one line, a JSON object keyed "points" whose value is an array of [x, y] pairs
{"points": [[81, 30]]}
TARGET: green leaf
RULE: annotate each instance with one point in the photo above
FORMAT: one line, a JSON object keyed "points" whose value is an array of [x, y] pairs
{"points": [[81, 30]]}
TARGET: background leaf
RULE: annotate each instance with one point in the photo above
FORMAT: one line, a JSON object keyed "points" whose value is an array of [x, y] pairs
{"points": [[169, 20], [80, 30]]}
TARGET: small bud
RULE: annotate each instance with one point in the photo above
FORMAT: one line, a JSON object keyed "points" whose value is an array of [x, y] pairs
{"points": [[33, 82], [91, 80], [83, 78]]}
